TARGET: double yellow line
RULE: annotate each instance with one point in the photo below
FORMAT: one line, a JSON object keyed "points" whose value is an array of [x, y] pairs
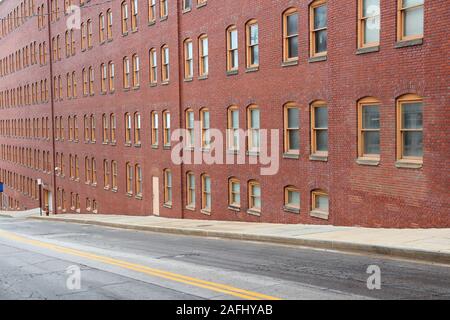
{"points": [[217, 287]]}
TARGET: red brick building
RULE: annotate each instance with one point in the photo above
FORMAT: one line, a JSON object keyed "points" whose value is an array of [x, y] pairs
{"points": [[358, 91]]}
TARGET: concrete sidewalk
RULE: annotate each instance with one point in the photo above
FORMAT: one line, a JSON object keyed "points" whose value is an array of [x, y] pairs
{"points": [[432, 245]]}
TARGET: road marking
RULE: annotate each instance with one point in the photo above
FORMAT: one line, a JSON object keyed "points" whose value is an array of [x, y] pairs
{"points": [[217, 287]]}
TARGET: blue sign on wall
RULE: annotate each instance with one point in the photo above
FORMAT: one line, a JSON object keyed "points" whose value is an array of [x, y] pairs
{"points": [[1, 187]]}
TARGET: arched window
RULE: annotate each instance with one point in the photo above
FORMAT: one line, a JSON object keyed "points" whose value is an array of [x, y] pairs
{"points": [[138, 180], [205, 124], [234, 193], [190, 190], [290, 35], [291, 129], [124, 13], [292, 199], [252, 44], [319, 204], [165, 66], [128, 124], [232, 49], [368, 129], [136, 68], [126, 72], [206, 193], [318, 28], [129, 178], [188, 59], [153, 66], [137, 128], [203, 55], [167, 187], [254, 197], [319, 128], [253, 127], [155, 128], [101, 27]]}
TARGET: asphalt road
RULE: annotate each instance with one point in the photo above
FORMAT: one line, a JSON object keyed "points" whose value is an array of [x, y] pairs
{"points": [[35, 257]]}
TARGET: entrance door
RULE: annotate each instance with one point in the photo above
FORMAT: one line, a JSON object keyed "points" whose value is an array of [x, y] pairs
{"points": [[155, 196]]}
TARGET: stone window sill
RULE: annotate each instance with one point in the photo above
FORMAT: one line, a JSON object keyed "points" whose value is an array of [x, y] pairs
{"points": [[368, 161], [254, 212], [289, 63], [319, 157], [368, 50], [201, 5], [167, 205], [319, 214], [232, 72], [288, 155], [408, 164], [190, 208], [203, 77], [252, 69], [291, 210], [408, 43], [207, 212], [317, 59], [233, 208]]}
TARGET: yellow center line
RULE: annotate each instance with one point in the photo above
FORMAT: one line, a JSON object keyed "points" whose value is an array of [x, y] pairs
{"points": [[217, 287]]}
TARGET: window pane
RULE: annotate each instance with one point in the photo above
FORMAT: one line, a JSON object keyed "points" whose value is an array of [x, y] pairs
{"points": [[207, 184], [321, 41], [292, 24], [293, 118], [255, 118], [255, 55], [412, 115], [409, 3], [233, 39], [322, 140], [412, 144], [253, 34], [234, 59], [322, 203], [256, 191], [370, 117], [235, 119], [236, 187], [206, 124], [321, 117], [371, 8], [320, 17], [413, 21], [293, 47], [372, 142], [294, 140], [294, 198], [372, 30]]}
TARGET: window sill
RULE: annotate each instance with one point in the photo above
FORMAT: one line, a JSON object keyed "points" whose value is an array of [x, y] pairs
{"points": [[408, 43], [138, 197], [126, 89], [206, 212], [167, 147], [317, 59], [368, 161], [114, 190], [127, 144], [201, 5], [153, 84], [232, 72], [136, 87], [155, 146], [188, 79], [409, 164], [319, 157], [252, 69], [129, 195], [234, 208], [138, 145], [151, 23], [190, 208], [167, 205], [164, 18], [365, 50], [165, 83], [291, 210], [288, 155], [254, 212], [289, 63], [203, 77], [231, 151], [319, 214], [252, 153]]}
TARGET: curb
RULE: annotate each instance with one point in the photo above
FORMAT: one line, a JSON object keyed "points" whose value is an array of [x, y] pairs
{"points": [[413, 254]]}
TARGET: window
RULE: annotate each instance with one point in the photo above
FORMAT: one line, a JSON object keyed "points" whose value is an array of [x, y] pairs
{"points": [[166, 128], [129, 178], [83, 36], [291, 129], [109, 24], [206, 193], [106, 174], [124, 12], [205, 126], [91, 81], [87, 170], [368, 23], [190, 187], [86, 129], [190, 128], [187, 5], [167, 187], [292, 198], [290, 35], [254, 196], [137, 128], [410, 19], [105, 122], [234, 193], [252, 44], [126, 73], [188, 59], [112, 120], [410, 128], [127, 129], [253, 127], [151, 11], [111, 76], [92, 124], [153, 66], [233, 128], [369, 128], [74, 85], [203, 56], [101, 27], [138, 180], [165, 64], [136, 69], [320, 204], [89, 33], [319, 128], [94, 172], [155, 128], [232, 49], [318, 28], [163, 8], [114, 175], [134, 14], [104, 73]]}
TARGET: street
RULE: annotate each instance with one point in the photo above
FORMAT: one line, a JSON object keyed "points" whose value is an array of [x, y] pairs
{"points": [[38, 259]]}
